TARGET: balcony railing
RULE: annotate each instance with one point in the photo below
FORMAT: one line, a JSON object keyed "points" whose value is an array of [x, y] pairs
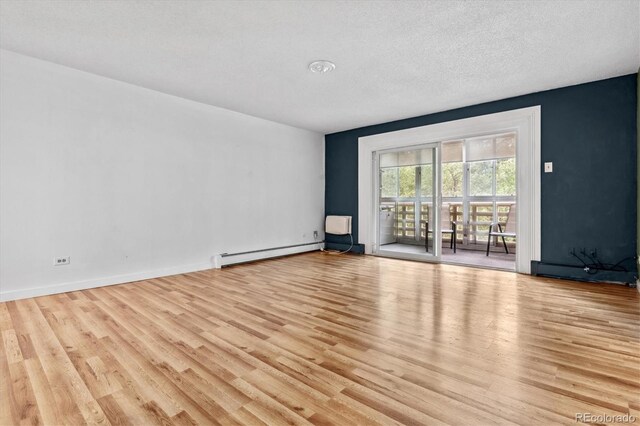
{"points": [[472, 233]]}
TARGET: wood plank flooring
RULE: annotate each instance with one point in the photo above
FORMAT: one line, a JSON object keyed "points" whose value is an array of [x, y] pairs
{"points": [[323, 339]]}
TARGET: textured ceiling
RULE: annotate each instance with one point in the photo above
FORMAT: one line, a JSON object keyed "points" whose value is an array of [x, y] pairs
{"points": [[394, 59]]}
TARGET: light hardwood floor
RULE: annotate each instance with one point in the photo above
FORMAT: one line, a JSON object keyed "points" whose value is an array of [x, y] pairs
{"points": [[322, 339]]}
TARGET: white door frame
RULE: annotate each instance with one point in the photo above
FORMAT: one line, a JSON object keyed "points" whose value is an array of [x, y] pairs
{"points": [[437, 202], [525, 122]]}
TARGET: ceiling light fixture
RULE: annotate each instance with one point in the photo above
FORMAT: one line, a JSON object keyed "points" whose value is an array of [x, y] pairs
{"points": [[322, 66]]}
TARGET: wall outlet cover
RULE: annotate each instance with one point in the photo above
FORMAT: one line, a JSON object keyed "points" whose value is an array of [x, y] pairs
{"points": [[59, 261]]}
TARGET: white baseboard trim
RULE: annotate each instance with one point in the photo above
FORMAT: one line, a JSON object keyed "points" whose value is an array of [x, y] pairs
{"points": [[266, 254], [147, 275], [100, 282]]}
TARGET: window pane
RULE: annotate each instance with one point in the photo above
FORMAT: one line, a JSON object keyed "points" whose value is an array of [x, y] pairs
{"points": [[481, 178], [506, 146], [503, 219], [389, 160], [405, 220], [452, 175], [506, 177], [480, 216], [489, 148], [452, 152], [389, 182], [407, 176], [425, 209], [426, 181], [415, 157], [480, 149]]}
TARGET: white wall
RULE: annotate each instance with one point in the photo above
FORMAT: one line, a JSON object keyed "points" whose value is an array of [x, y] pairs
{"points": [[132, 183]]}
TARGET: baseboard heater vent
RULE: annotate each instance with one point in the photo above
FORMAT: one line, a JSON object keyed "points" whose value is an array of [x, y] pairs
{"points": [[226, 259]]}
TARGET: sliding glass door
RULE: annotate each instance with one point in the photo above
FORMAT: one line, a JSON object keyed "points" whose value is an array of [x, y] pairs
{"points": [[479, 186], [440, 201], [407, 203]]}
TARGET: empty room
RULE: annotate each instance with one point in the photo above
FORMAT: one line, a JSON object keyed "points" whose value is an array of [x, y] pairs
{"points": [[271, 212]]}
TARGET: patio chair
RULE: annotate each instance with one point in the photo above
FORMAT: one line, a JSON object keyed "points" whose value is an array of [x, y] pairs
{"points": [[508, 231], [448, 227]]}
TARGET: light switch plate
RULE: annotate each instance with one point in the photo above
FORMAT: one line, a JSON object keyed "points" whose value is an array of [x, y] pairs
{"points": [[548, 167]]}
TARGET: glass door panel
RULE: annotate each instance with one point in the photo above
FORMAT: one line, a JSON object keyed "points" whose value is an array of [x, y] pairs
{"points": [[488, 186], [408, 218]]}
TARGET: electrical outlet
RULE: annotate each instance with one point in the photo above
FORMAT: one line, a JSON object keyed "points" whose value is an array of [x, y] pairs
{"points": [[59, 261], [315, 234]]}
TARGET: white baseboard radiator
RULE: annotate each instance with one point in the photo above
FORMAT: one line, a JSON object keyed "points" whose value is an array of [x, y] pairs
{"points": [[226, 259]]}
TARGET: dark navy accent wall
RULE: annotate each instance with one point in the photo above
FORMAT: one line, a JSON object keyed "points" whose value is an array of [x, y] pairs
{"points": [[588, 131]]}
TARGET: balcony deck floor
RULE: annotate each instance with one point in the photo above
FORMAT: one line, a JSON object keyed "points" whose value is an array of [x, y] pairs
{"points": [[495, 260]]}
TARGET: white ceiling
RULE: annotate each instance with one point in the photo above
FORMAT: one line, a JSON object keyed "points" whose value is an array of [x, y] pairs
{"points": [[394, 59]]}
